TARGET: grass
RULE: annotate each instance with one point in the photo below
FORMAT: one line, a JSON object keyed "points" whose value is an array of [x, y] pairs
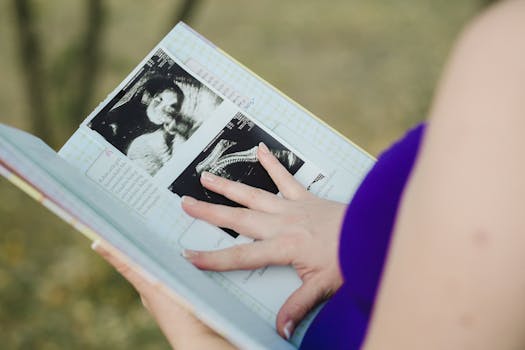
{"points": [[368, 68]]}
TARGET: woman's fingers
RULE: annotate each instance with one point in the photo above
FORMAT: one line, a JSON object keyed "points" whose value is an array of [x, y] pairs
{"points": [[298, 304], [253, 197], [285, 182], [182, 329], [248, 196], [247, 256], [141, 284], [248, 222]]}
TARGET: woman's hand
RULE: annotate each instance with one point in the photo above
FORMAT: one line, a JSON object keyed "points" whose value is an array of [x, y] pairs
{"points": [[298, 229], [180, 327]]}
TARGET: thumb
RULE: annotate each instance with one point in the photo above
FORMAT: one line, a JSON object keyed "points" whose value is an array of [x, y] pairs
{"points": [[297, 306]]}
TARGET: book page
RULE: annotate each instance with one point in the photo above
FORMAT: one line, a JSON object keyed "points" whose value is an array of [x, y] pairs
{"points": [[219, 114]]}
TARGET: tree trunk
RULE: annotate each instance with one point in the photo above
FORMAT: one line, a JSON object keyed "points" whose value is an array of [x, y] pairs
{"points": [[30, 55]]}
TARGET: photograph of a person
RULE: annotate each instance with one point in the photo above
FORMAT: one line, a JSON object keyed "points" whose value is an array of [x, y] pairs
{"points": [[232, 154], [160, 108]]}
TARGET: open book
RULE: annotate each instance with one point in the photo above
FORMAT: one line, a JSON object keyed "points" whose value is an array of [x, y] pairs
{"points": [[120, 177]]}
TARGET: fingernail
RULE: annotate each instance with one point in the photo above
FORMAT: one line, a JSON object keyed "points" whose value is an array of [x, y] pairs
{"points": [[288, 329], [95, 245], [187, 200], [189, 254], [263, 148], [208, 177]]}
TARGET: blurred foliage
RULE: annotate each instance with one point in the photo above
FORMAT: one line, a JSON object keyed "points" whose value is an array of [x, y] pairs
{"points": [[368, 68]]}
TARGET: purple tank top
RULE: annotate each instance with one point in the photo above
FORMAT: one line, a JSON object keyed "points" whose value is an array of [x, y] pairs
{"points": [[365, 237]]}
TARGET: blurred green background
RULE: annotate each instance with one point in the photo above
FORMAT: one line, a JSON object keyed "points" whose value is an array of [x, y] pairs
{"points": [[368, 68]]}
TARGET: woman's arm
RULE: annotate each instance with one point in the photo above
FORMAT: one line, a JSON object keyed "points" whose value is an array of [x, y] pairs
{"points": [[455, 275]]}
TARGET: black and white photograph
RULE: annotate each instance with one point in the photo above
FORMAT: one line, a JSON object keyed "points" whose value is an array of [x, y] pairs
{"points": [[160, 108], [232, 154]]}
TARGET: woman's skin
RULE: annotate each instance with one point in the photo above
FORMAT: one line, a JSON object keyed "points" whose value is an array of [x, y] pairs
{"points": [[454, 276]]}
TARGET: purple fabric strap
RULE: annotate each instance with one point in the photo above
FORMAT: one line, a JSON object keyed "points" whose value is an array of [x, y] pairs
{"points": [[365, 237]]}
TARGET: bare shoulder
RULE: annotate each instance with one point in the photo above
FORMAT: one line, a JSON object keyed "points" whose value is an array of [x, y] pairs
{"points": [[504, 19], [509, 14], [453, 278], [482, 91], [491, 49]]}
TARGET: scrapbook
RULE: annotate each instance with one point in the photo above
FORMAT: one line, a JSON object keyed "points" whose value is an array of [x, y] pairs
{"points": [[187, 108]]}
